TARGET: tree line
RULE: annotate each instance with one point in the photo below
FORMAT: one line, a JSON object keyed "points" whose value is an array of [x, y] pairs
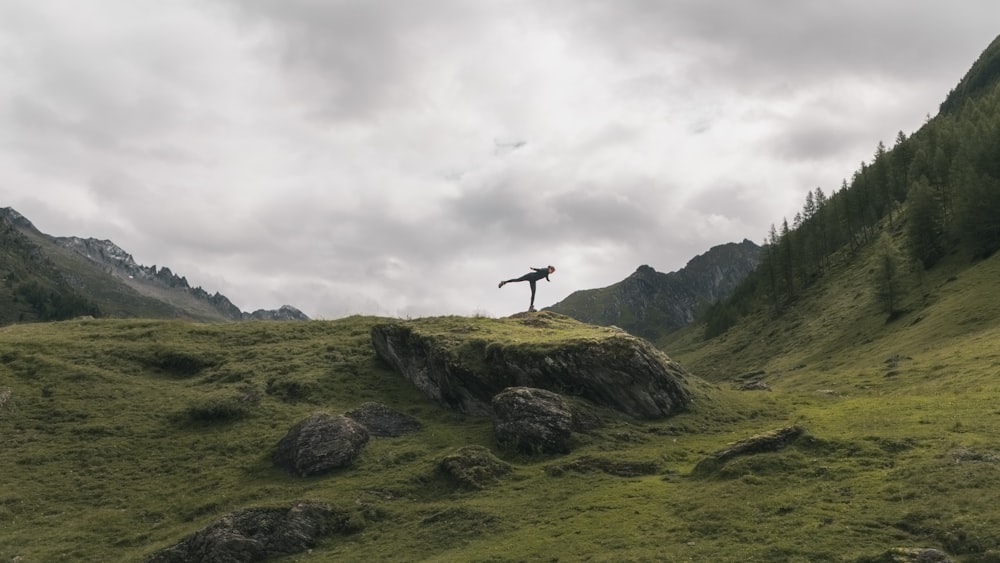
{"points": [[945, 178]]}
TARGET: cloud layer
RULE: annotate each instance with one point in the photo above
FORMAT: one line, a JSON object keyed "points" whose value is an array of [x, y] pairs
{"points": [[399, 158]]}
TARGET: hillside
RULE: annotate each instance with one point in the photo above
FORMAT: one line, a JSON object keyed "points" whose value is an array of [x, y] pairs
{"points": [[54, 278], [652, 304], [840, 322], [128, 435]]}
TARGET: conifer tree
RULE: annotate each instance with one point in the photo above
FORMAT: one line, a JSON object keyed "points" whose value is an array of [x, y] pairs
{"points": [[888, 282], [925, 227]]}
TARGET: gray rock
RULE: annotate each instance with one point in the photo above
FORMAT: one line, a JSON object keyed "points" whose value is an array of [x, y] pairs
{"points": [[532, 420], [909, 555], [320, 443], [382, 421], [753, 385], [771, 441], [618, 371], [256, 534]]}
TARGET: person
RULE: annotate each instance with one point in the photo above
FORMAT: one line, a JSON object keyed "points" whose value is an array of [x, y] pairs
{"points": [[531, 277]]}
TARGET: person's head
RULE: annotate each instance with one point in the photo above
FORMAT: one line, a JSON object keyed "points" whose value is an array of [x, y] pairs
{"points": [[552, 269]]}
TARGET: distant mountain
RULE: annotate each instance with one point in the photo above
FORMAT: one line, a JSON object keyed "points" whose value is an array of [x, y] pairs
{"points": [[50, 278], [652, 304]]}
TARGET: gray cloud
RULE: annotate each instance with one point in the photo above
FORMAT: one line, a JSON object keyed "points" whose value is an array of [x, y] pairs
{"points": [[400, 157]]}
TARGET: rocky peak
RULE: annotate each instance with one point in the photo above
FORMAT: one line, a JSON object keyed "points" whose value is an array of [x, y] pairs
{"points": [[9, 215]]}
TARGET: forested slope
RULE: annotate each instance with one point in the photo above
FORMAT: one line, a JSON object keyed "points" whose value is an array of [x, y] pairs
{"points": [[945, 179]]}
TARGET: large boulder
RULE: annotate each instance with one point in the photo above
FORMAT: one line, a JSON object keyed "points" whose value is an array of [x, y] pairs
{"points": [[532, 420], [256, 534], [320, 443], [382, 421], [462, 363]]}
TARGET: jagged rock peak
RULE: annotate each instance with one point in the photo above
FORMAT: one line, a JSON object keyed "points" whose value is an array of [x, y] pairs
{"points": [[644, 269], [12, 216], [99, 250]]}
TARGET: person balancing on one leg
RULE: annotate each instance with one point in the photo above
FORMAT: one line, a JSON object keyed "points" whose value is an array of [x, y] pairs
{"points": [[532, 277]]}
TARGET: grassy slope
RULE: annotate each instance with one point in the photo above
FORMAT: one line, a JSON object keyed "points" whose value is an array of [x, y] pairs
{"points": [[921, 387], [108, 454]]}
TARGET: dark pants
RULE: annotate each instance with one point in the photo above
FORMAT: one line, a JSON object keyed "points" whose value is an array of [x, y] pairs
{"points": [[532, 279]]}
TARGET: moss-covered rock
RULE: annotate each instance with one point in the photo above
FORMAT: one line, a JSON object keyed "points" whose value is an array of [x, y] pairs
{"points": [[256, 534], [473, 467], [320, 443], [463, 363], [533, 421], [770, 441]]}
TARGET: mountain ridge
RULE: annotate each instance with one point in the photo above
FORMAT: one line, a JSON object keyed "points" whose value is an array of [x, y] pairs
{"points": [[102, 279], [652, 304]]}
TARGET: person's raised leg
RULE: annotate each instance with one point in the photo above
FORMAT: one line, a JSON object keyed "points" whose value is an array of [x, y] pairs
{"points": [[520, 279]]}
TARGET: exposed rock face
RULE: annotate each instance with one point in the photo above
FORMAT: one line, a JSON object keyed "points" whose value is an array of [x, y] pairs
{"points": [[473, 467], [617, 370], [652, 304], [766, 442], [532, 420], [256, 534], [320, 443], [382, 421]]}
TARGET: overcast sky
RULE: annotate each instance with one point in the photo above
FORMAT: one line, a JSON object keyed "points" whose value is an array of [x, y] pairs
{"points": [[400, 157]]}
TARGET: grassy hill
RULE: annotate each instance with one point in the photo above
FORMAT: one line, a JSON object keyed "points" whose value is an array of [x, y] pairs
{"points": [[123, 436]]}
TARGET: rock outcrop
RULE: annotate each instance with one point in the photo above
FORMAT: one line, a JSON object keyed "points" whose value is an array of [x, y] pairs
{"points": [[382, 421], [320, 443], [256, 534], [463, 363], [771, 441], [533, 421]]}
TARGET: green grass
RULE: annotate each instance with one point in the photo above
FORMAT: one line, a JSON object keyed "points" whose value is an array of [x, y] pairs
{"points": [[120, 437]]}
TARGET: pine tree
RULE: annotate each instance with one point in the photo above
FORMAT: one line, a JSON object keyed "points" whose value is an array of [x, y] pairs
{"points": [[925, 228], [888, 282]]}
